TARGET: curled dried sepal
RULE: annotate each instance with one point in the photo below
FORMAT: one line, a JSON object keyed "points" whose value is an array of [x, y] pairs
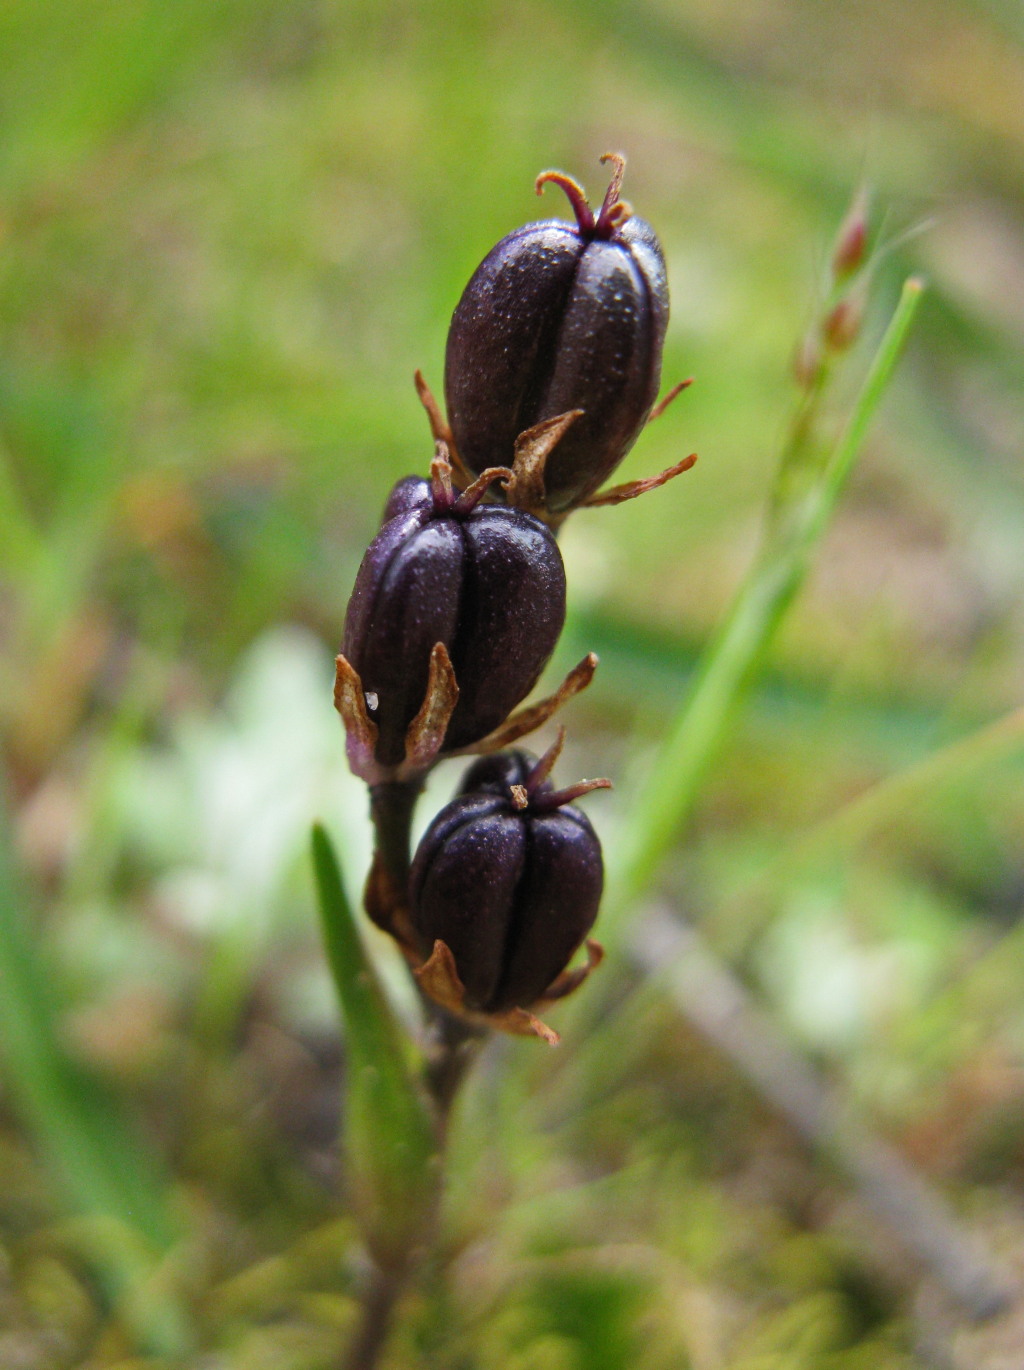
{"points": [[439, 428], [630, 489], [538, 775], [446, 499], [554, 799], [438, 423], [425, 735], [613, 212], [360, 730], [666, 400], [438, 978], [570, 980], [524, 485], [526, 490], [574, 193], [474, 493], [534, 715], [536, 789]]}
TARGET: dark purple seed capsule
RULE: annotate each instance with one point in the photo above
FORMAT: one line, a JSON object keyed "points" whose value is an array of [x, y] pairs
{"points": [[406, 496], [513, 891], [485, 581], [498, 772], [560, 317]]}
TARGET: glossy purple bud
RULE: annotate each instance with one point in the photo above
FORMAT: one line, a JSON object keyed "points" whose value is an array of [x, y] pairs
{"points": [[560, 317], [406, 496], [511, 887], [498, 772], [486, 581]]}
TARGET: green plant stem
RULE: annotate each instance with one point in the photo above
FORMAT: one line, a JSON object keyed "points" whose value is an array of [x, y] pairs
{"points": [[450, 1043], [738, 649], [396, 1117], [384, 1097], [445, 1069], [452, 1048]]}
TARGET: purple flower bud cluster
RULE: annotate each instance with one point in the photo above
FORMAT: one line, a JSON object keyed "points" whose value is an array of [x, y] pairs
{"points": [[509, 875], [484, 580], [560, 317], [552, 368]]}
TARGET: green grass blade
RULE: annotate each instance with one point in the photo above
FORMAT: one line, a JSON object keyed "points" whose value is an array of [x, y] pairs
{"points": [[20, 539], [389, 1132], [840, 833], [739, 647]]}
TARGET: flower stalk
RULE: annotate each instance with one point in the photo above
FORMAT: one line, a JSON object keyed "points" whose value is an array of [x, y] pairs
{"points": [[552, 369]]}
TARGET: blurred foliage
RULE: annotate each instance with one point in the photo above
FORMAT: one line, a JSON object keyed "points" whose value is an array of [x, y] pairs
{"points": [[229, 232]]}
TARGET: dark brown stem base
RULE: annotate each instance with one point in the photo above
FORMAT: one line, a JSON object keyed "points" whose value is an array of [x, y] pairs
{"points": [[386, 896], [391, 810], [379, 1299], [450, 1048]]}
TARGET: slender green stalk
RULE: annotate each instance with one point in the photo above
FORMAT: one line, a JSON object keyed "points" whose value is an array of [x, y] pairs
{"points": [[390, 1132], [396, 1112], [734, 655]]}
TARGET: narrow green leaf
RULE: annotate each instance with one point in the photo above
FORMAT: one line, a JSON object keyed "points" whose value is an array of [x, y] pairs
{"points": [[738, 649], [391, 1142], [838, 835]]}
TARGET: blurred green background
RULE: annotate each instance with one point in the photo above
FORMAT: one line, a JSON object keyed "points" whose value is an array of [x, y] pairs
{"points": [[229, 233]]}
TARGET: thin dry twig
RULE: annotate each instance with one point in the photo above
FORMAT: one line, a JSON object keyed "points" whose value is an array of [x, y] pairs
{"points": [[718, 1005]]}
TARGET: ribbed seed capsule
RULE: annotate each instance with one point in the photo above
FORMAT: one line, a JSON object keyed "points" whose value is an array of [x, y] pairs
{"points": [[560, 317], [498, 772], [486, 581], [510, 878]]}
